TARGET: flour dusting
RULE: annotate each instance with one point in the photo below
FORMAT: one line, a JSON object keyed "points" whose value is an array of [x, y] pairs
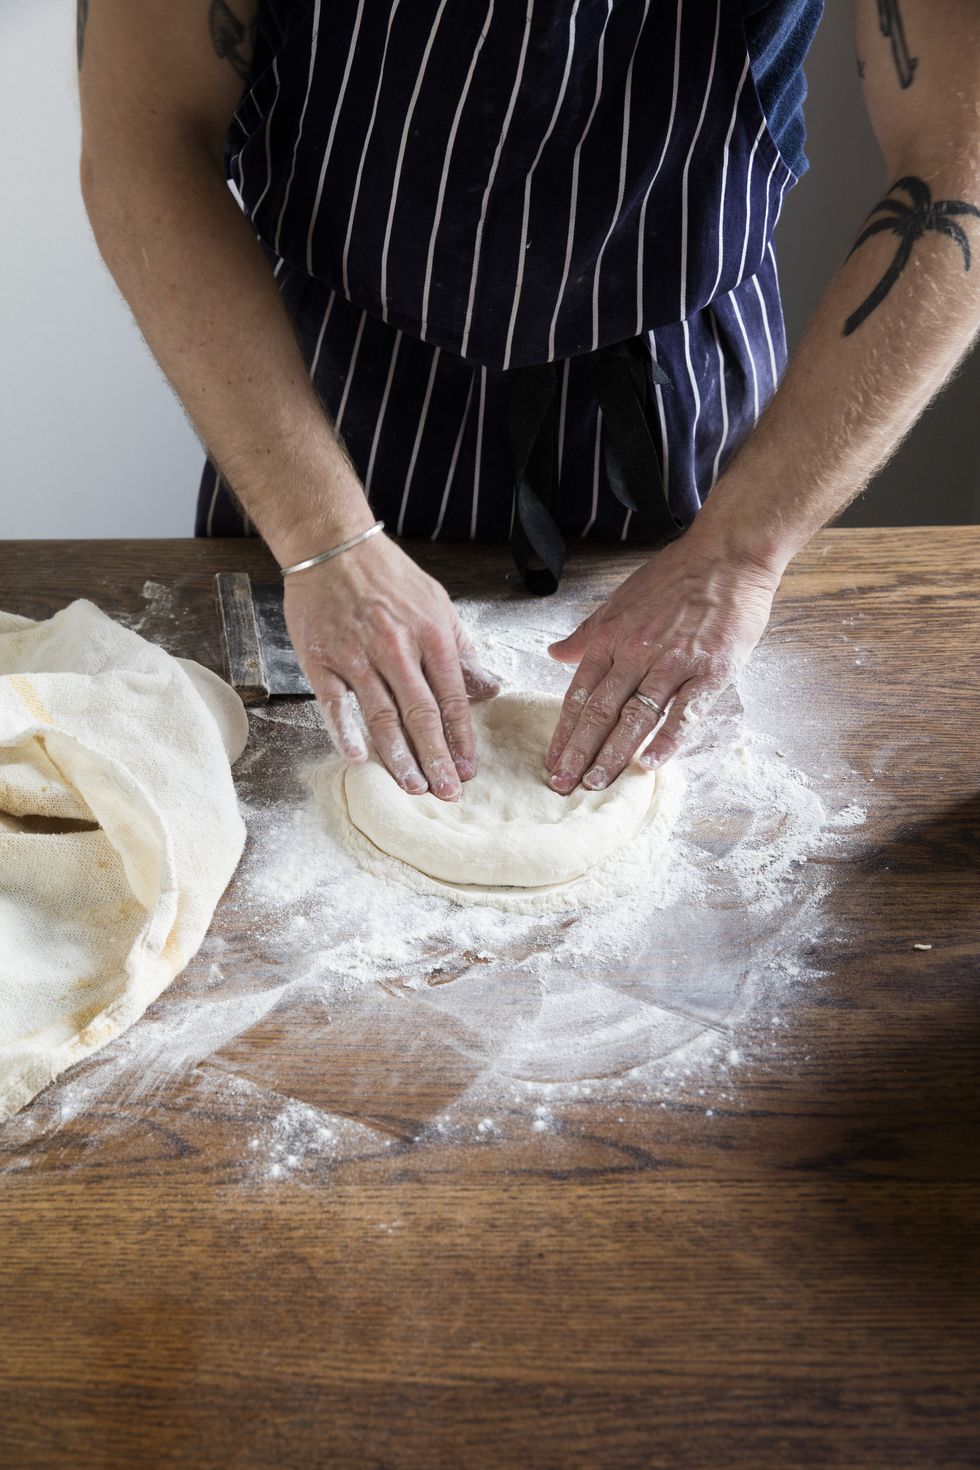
{"points": [[658, 984]]}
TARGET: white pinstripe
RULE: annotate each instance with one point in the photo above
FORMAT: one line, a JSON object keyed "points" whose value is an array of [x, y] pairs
{"points": [[765, 323], [366, 146], [573, 202], [493, 174], [452, 463], [479, 453], [330, 137], [209, 523], [765, 222], [748, 201], [595, 475], [268, 140], [656, 172], [381, 413], [302, 119], [724, 179], [401, 156], [623, 151], [782, 198], [350, 372], [319, 341], [658, 393], [685, 328], [724, 395], [418, 438], [445, 170], [561, 414], [687, 162], [522, 247], [748, 348], [775, 276]]}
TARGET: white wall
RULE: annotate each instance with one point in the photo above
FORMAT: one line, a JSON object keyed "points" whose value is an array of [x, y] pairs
{"points": [[92, 443]]}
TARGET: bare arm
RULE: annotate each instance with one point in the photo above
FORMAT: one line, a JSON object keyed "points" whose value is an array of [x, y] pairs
{"points": [[159, 84], [902, 309], [893, 323], [157, 100]]}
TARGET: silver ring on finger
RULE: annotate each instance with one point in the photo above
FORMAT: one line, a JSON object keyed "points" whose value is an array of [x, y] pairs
{"points": [[650, 703]]}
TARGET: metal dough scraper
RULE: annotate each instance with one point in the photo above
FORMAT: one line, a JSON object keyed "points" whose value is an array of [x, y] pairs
{"points": [[259, 660]]}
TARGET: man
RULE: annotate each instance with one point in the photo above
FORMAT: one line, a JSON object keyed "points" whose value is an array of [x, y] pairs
{"points": [[520, 257]]}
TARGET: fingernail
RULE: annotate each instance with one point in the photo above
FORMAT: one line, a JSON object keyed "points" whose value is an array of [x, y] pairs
{"points": [[595, 779], [465, 768], [562, 781], [416, 784], [650, 761]]}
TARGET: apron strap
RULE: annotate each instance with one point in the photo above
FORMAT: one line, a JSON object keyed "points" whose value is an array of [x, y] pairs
{"points": [[619, 373], [533, 424]]}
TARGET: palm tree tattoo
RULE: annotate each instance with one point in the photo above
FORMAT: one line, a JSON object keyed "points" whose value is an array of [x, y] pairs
{"points": [[892, 26], [81, 21], [909, 223]]}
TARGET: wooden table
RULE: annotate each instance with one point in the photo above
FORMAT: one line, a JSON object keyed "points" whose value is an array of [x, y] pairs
{"points": [[787, 1279]]}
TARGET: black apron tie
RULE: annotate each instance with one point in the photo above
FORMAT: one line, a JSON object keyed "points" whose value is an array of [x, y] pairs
{"points": [[533, 420], [620, 374]]}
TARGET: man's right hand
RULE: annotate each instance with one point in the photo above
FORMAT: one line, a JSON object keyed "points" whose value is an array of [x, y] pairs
{"points": [[371, 623]]}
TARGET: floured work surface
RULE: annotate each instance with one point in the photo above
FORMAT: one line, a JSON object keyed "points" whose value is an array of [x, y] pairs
{"points": [[551, 1174]]}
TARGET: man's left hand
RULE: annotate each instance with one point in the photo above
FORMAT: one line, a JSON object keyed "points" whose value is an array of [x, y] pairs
{"points": [[678, 630]]}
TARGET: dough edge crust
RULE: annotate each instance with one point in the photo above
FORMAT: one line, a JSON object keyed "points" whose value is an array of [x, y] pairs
{"points": [[424, 834]]}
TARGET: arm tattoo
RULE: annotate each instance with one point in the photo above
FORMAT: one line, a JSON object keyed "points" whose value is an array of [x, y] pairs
{"points": [[81, 21], [231, 38], [909, 223], [892, 26]]}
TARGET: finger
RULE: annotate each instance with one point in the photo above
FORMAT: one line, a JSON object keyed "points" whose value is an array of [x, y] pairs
{"points": [[693, 701], [571, 649], [637, 721], [441, 667], [384, 722], [594, 667], [421, 719], [599, 717], [339, 715], [480, 683]]}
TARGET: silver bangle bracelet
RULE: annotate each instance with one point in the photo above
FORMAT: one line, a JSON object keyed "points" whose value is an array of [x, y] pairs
{"points": [[314, 561]]}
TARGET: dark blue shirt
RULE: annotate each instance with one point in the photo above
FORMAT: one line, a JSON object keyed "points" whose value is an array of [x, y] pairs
{"points": [[779, 33]]}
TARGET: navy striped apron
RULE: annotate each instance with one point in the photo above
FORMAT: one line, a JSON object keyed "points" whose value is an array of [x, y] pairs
{"points": [[528, 253]]}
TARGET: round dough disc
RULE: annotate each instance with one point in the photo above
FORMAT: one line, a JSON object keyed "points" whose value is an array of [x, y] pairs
{"points": [[508, 828]]}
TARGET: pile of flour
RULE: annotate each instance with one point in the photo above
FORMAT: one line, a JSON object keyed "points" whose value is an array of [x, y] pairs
{"points": [[675, 966]]}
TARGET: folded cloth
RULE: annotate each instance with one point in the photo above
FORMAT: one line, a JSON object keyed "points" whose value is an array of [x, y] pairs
{"points": [[119, 832]]}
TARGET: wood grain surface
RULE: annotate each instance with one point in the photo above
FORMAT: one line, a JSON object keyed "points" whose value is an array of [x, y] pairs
{"points": [[782, 1272]]}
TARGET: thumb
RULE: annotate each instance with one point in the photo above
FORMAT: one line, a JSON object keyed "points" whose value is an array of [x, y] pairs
{"points": [[570, 650]]}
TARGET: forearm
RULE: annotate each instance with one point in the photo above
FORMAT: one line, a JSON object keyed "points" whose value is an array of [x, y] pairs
{"points": [[867, 366], [201, 289]]}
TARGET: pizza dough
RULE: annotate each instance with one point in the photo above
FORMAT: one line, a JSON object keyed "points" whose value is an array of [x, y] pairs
{"points": [[508, 829]]}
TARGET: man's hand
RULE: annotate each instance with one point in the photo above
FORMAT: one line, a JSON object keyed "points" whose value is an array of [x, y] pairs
{"points": [[678, 630], [371, 623]]}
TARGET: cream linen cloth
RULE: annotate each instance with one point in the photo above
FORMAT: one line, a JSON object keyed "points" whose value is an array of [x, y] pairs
{"points": [[119, 832]]}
